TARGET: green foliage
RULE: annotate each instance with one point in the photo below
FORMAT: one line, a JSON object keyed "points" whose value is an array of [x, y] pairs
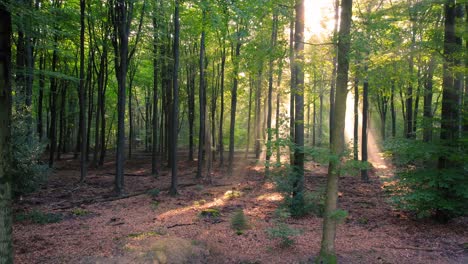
{"points": [[154, 205], [39, 217], [153, 193], [210, 213], [339, 215], [239, 222], [27, 172], [80, 212], [281, 230], [232, 194], [424, 188]]}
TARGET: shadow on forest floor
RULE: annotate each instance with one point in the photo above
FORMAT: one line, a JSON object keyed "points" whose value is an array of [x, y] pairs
{"points": [[153, 227]]}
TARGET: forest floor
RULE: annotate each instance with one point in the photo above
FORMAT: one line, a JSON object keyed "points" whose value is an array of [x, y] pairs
{"points": [[95, 227]]}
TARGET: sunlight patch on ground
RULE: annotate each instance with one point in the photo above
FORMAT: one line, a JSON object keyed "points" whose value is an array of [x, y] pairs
{"points": [[270, 197]]}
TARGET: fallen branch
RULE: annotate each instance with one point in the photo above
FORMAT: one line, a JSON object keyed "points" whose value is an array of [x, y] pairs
{"points": [[176, 225], [113, 198], [413, 248]]}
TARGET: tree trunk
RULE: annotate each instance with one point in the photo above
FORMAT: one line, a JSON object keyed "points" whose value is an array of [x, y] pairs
{"points": [[392, 109], [334, 72], [427, 112], [249, 115], [327, 251], [6, 245], [154, 158], [40, 97], [175, 102], [356, 119], [292, 83], [297, 206], [257, 125], [274, 33], [82, 97], [53, 106], [221, 112], [234, 100], [365, 119], [202, 101]]}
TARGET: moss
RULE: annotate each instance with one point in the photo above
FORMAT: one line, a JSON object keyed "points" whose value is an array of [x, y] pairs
{"points": [[80, 212], [233, 194], [210, 212]]}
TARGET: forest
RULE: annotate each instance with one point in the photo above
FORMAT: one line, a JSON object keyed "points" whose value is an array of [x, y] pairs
{"points": [[233, 131]]}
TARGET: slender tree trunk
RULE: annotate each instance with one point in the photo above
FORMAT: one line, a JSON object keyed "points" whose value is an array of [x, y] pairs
{"points": [[427, 112], [154, 158], [61, 140], [6, 244], [274, 33], [82, 97], [327, 251], [292, 83], [334, 72], [202, 100], [40, 97], [356, 119], [297, 206], [365, 119], [175, 102], [53, 106], [409, 90], [392, 109], [249, 115], [234, 101], [257, 124], [102, 155]]}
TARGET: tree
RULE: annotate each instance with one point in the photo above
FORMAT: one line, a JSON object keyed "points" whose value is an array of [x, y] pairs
{"points": [[6, 248], [82, 97], [297, 207], [175, 102], [327, 251]]}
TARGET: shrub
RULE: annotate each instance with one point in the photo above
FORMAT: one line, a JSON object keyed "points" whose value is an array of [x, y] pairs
{"points": [[79, 212], [39, 217], [210, 213], [284, 233], [26, 170], [153, 193], [239, 222], [421, 186], [281, 230]]}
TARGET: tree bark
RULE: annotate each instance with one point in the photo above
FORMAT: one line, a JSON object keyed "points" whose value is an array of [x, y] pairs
{"points": [[202, 101], [82, 97], [234, 100], [365, 120], [6, 244], [327, 251], [175, 102], [297, 206]]}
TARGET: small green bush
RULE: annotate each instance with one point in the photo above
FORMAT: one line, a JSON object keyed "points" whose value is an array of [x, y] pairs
{"points": [[26, 170], [239, 222], [281, 230], [39, 217], [284, 233], [153, 193], [210, 213], [79, 212]]}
